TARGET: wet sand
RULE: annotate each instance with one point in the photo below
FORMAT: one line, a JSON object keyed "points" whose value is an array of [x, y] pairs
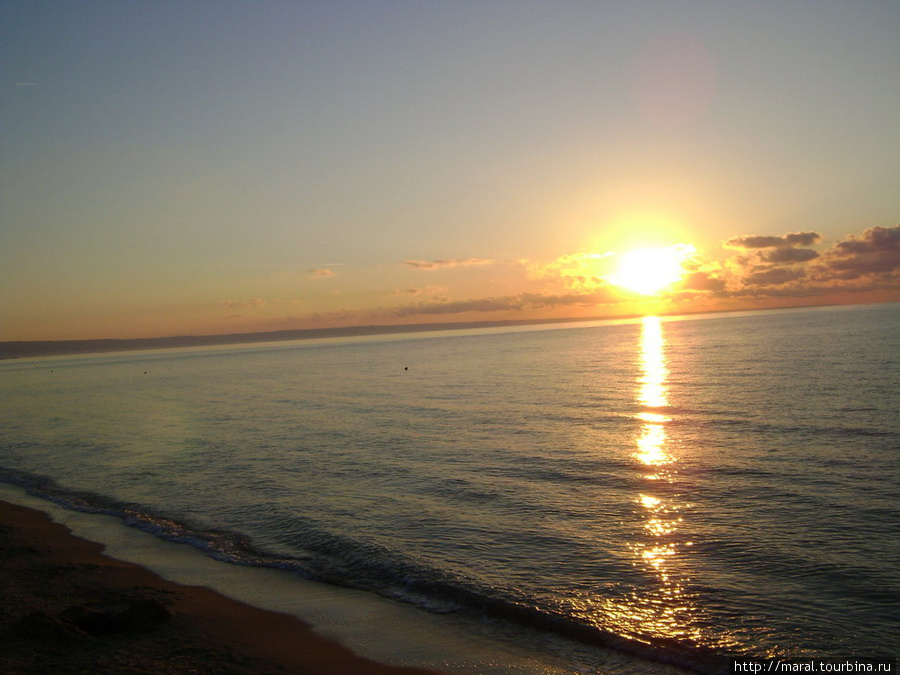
{"points": [[67, 608]]}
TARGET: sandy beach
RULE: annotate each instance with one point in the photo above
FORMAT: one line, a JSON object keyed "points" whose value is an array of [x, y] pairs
{"points": [[67, 608]]}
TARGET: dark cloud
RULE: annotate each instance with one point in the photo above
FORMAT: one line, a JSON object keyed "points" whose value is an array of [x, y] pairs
{"points": [[876, 251], [776, 267], [788, 254], [791, 291], [761, 241], [702, 281], [772, 260], [802, 238], [873, 239], [774, 276], [817, 289], [438, 264]]}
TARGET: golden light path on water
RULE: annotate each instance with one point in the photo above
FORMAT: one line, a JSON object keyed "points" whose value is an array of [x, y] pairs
{"points": [[664, 609]]}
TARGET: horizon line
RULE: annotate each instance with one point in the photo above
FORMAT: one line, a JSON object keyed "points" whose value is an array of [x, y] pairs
{"points": [[15, 349]]}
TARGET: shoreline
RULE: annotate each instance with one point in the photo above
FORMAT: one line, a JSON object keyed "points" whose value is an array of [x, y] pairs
{"points": [[52, 579], [380, 629]]}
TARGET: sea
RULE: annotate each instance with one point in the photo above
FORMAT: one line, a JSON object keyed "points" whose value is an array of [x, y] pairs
{"points": [[651, 495]]}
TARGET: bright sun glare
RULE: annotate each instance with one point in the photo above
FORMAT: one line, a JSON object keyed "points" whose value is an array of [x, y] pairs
{"points": [[649, 271]]}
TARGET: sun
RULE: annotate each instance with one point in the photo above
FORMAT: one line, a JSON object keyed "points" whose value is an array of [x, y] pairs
{"points": [[649, 271]]}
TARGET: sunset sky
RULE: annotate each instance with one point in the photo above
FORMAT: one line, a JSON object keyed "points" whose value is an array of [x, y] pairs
{"points": [[219, 167]]}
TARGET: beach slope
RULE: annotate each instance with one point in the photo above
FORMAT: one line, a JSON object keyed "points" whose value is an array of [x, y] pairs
{"points": [[67, 608]]}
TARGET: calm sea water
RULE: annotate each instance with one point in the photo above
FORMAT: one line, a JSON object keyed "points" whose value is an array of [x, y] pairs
{"points": [[678, 489]]}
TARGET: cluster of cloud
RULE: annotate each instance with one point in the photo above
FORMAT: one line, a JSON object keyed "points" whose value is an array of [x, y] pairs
{"points": [[764, 257], [876, 252], [766, 241], [773, 266], [702, 281], [574, 270], [785, 269], [764, 270], [783, 265]]}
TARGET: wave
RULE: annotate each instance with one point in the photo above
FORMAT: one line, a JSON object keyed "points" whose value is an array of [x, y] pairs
{"points": [[333, 559]]}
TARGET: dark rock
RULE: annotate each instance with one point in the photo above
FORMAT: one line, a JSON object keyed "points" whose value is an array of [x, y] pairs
{"points": [[40, 626], [92, 619], [143, 615], [120, 617]]}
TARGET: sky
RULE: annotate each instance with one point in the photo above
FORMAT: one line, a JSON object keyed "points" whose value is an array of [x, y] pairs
{"points": [[172, 168]]}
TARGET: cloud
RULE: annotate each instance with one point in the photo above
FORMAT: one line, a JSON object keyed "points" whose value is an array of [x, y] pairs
{"points": [[438, 264], [768, 270], [774, 276], [702, 281], [788, 254], [777, 267], [873, 239], [761, 241], [875, 252], [574, 270], [769, 261], [320, 273]]}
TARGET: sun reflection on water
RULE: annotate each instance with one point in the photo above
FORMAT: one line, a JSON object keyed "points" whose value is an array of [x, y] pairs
{"points": [[665, 610], [653, 392], [662, 608]]}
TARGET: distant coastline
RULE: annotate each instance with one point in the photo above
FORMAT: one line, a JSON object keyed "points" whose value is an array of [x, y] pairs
{"points": [[27, 349], [37, 348]]}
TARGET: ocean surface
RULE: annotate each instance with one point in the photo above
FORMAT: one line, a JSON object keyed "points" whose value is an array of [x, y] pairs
{"points": [[679, 489]]}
